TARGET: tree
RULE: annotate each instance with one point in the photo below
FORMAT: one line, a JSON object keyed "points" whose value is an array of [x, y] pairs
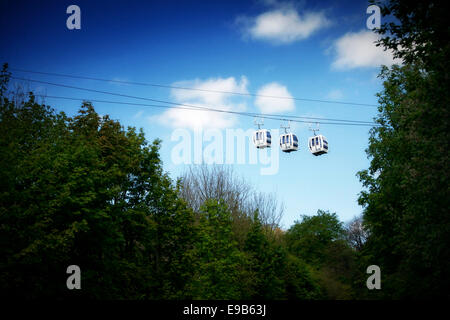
{"points": [[356, 233], [85, 191], [204, 182], [319, 241], [267, 261], [309, 237], [218, 259], [407, 194], [302, 283], [418, 33]]}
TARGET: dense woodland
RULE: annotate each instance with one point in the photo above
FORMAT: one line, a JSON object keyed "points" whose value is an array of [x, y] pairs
{"points": [[85, 190]]}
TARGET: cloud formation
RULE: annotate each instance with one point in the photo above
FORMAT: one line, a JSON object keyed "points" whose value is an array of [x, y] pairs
{"points": [[283, 25], [358, 49], [180, 118], [269, 105]]}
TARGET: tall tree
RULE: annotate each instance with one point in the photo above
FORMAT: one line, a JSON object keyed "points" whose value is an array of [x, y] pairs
{"points": [[356, 233], [85, 191], [407, 193], [319, 241], [309, 238], [218, 259], [267, 262], [200, 183]]}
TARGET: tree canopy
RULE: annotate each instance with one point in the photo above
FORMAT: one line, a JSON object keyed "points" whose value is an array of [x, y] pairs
{"points": [[406, 198]]}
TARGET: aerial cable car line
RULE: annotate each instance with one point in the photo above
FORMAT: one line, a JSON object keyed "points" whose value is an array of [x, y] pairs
{"points": [[193, 107], [193, 89], [261, 138], [314, 118], [272, 117], [199, 108], [190, 108]]}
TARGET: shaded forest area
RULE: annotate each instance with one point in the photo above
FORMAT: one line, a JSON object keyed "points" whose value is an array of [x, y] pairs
{"points": [[84, 190]]}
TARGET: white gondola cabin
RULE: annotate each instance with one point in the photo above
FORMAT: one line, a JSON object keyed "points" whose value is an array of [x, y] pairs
{"points": [[288, 142], [318, 145], [262, 138]]}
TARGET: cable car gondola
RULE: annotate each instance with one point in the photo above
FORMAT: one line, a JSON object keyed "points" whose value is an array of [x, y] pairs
{"points": [[261, 137], [288, 141], [318, 145]]}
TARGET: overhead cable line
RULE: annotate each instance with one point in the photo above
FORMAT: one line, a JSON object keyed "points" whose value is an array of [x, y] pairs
{"points": [[193, 89], [194, 107], [200, 109]]}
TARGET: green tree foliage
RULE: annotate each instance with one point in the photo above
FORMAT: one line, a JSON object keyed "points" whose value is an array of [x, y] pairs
{"points": [[85, 191], [302, 282], [320, 242], [203, 182], [407, 194], [418, 32], [310, 237], [218, 258], [267, 262]]}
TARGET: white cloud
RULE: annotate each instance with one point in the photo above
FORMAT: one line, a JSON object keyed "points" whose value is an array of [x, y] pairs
{"points": [[274, 105], [181, 118], [283, 25], [219, 86], [357, 49]]}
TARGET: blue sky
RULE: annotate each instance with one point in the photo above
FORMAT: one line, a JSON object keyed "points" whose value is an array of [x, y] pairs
{"points": [[304, 49]]}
